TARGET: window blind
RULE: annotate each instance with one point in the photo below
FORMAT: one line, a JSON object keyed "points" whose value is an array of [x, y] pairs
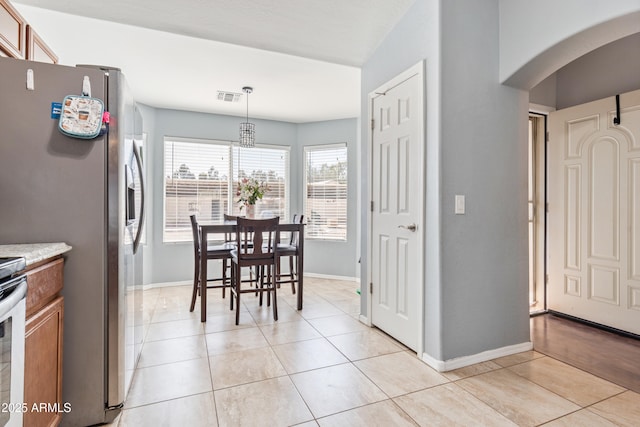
{"points": [[197, 181], [326, 192], [201, 177], [271, 166]]}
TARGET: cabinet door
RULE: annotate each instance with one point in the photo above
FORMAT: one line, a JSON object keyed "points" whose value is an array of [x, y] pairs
{"points": [[37, 49], [12, 31], [43, 366]]}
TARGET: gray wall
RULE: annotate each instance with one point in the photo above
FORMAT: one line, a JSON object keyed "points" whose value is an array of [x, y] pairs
{"points": [[484, 156], [545, 92], [604, 72], [476, 264], [334, 258], [148, 125], [172, 262]]}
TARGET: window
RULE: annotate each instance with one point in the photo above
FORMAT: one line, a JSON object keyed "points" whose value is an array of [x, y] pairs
{"points": [[201, 178], [326, 192], [196, 182], [269, 165]]}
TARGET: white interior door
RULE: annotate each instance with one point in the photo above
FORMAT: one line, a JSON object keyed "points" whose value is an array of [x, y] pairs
{"points": [[397, 211], [594, 212]]}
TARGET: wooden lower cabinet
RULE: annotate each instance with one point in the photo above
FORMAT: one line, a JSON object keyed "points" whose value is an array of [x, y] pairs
{"points": [[43, 345], [43, 366]]}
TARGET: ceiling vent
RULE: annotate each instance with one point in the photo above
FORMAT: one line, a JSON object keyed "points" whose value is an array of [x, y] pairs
{"points": [[228, 96]]}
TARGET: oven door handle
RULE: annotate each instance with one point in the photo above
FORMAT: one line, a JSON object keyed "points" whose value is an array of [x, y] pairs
{"points": [[8, 303]]}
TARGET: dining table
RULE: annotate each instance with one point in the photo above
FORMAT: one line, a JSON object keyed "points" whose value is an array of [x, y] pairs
{"points": [[229, 227]]}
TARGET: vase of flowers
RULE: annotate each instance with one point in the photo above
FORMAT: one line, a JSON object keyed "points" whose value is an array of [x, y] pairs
{"points": [[249, 191]]}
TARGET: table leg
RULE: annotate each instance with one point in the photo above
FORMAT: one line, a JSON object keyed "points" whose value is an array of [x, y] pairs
{"points": [[300, 262]]}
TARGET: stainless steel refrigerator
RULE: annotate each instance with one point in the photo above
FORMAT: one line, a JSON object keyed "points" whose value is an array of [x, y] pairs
{"points": [[88, 193]]}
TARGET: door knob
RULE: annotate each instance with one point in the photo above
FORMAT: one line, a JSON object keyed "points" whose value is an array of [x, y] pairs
{"points": [[410, 227]]}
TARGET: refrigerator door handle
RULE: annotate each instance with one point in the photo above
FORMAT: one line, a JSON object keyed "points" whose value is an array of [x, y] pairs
{"points": [[136, 241]]}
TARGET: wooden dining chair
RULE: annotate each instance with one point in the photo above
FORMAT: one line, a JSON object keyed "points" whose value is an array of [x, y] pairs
{"points": [[230, 237], [289, 250], [221, 252], [255, 248]]}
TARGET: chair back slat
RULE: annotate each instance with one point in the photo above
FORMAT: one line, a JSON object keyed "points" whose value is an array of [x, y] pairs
{"points": [[196, 235], [297, 219], [229, 237], [256, 238]]}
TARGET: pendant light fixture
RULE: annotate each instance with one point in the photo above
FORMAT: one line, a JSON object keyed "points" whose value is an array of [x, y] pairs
{"points": [[247, 130]]}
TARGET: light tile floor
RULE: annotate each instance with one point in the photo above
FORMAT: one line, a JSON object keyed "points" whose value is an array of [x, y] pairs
{"points": [[322, 367]]}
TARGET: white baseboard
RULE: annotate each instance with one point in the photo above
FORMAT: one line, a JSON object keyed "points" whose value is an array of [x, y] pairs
{"points": [[168, 284], [461, 362], [190, 282], [328, 276], [365, 320]]}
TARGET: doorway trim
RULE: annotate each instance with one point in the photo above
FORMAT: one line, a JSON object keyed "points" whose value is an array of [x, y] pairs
{"points": [[416, 70], [537, 218]]}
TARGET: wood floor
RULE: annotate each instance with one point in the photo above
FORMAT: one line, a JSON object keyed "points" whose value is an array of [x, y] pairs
{"points": [[605, 354]]}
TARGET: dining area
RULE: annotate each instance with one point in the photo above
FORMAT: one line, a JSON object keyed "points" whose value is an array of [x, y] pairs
{"points": [[220, 184], [254, 256]]}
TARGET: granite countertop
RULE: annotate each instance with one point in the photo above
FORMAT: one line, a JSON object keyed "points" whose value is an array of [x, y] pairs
{"points": [[34, 252]]}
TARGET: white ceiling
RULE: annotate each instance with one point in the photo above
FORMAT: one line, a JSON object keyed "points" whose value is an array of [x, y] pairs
{"points": [[302, 57]]}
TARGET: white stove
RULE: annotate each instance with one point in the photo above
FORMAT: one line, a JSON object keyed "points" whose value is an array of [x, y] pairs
{"points": [[13, 292]]}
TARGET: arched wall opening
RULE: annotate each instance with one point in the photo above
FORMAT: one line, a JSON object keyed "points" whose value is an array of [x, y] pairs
{"points": [[526, 59]]}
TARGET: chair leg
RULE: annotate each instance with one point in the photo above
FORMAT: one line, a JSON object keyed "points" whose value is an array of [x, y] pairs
{"points": [[275, 299], [224, 276], [260, 281], [238, 285], [233, 285], [257, 281], [294, 274], [196, 287], [268, 283], [232, 282]]}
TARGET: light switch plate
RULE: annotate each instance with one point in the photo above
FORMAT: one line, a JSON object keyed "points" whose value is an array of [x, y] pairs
{"points": [[460, 208]]}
